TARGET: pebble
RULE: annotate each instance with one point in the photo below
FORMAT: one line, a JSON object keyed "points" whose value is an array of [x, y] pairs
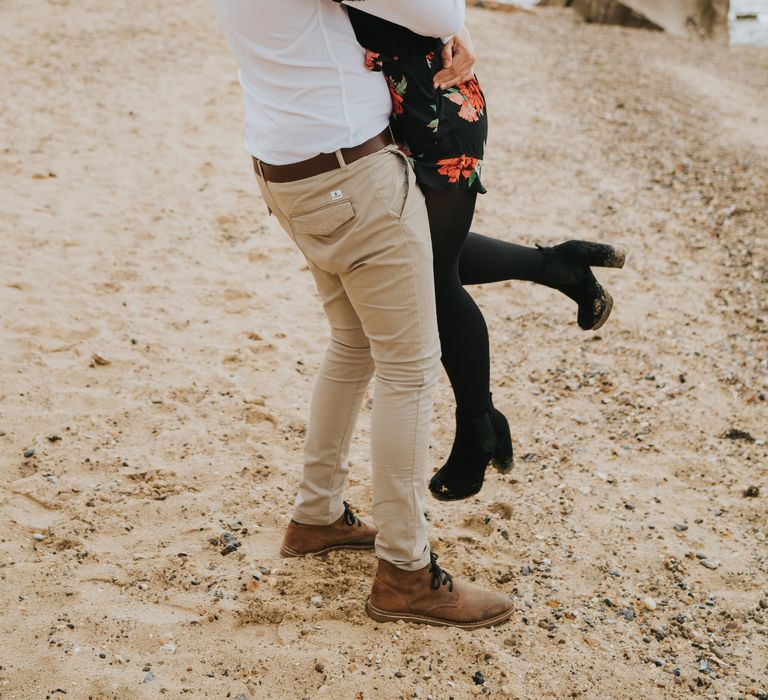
{"points": [[681, 528], [752, 492], [709, 564], [317, 600], [102, 655], [701, 555], [149, 677], [319, 667], [627, 614], [399, 674], [38, 536], [168, 648], [265, 570], [704, 666], [29, 453], [656, 661], [649, 603], [478, 678]]}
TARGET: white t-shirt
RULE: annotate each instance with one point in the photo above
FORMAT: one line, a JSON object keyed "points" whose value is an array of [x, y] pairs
{"points": [[302, 71]]}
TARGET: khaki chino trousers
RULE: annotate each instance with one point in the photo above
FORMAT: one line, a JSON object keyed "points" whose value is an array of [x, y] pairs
{"points": [[364, 231]]}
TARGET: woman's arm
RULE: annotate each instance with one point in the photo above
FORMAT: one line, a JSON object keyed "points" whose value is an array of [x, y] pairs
{"points": [[426, 17]]}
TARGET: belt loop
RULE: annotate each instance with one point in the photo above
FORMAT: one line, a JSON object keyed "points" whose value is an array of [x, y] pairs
{"points": [[259, 169], [340, 157]]}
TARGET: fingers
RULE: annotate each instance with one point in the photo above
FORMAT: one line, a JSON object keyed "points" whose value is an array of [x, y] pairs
{"points": [[447, 54]]}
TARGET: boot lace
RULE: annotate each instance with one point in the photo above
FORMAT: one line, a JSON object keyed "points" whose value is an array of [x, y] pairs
{"points": [[349, 517], [439, 577]]}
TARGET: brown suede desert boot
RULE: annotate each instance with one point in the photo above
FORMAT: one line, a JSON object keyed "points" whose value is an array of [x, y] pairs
{"points": [[430, 596], [348, 532]]}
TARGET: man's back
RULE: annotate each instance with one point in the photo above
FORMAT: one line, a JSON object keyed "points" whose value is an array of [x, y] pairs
{"points": [[302, 71]]}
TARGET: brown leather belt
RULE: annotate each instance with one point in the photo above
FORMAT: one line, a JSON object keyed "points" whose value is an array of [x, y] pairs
{"points": [[322, 163]]}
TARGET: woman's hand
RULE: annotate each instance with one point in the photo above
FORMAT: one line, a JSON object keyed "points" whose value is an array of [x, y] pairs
{"points": [[458, 61]]}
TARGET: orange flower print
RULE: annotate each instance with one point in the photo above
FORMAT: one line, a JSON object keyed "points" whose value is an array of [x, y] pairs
{"points": [[373, 61], [471, 90], [397, 90], [469, 98], [456, 168]]}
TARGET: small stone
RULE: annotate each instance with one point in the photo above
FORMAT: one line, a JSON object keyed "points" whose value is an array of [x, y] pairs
{"points": [[649, 603], [149, 677], [319, 667], [100, 360], [709, 564], [752, 492], [54, 438], [317, 600], [627, 614], [478, 678], [701, 555], [102, 655], [736, 434], [195, 582], [704, 666], [681, 527], [169, 648], [399, 674], [38, 536], [265, 570], [656, 661], [143, 586], [763, 604], [29, 453]]}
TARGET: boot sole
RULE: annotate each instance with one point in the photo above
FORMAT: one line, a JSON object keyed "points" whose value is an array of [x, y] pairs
{"points": [[388, 616], [287, 552]]}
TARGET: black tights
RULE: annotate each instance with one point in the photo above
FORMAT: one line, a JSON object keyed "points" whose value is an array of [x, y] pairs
{"points": [[460, 258]]}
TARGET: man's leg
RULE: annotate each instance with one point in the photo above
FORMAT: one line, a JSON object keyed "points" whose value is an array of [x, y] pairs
{"points": [[339, 389]]}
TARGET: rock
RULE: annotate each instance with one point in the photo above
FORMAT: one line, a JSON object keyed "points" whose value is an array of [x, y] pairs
{"points": [[736, 434], [317, 600], [319, 667], [38, 536], [701, 555], [169, 648], [478, 678], [681, 528], [29, 453], [399, 674], [751, 492], [628, 614], [53, 438], [656, 661], [265, 570], [649, 603], [709, 564], [704, 666], [149, 677], [100, 360]]}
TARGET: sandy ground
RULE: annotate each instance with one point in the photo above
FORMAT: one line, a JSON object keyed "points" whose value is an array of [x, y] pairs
{"points": [[160, 334]]}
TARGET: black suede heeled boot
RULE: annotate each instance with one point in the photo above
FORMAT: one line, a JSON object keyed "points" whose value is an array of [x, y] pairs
{"points": [[478, 441], [566, 267]]}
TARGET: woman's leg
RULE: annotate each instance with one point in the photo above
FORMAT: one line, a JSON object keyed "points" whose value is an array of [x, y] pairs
{"points": [[484, 260], [482, 432], [565, 267], [463, 333]]}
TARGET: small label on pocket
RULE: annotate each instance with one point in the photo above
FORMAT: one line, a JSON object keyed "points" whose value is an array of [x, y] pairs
{"points": [[336, 195]]}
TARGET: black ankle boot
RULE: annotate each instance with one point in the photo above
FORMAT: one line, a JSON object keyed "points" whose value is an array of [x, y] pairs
{"points": [[567, 268], [478, 441]]}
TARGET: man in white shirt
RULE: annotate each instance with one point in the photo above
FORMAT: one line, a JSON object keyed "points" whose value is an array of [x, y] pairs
{"points": [[317, 128]]}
